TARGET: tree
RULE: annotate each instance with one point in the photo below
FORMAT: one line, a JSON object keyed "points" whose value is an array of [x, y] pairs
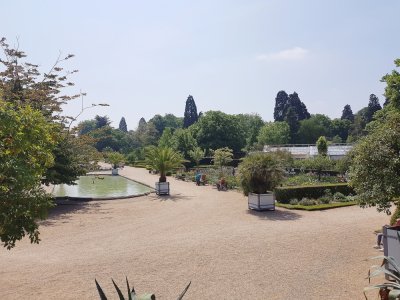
{"points": [[375, 168], [166, 139], [251, 125], [318, 164], [197, 154], [373, 107], [314, 127], [322, 146], [340, 128], [216, 130], [26, 144], [163, 160], [299, 107], [114, 158], [392, 89], [102, 121], [122, 125], [190, 115], [347, 113], [291, 119], [86, 126], [184, 142], [281, 103], [274, 133], [222, 157]]}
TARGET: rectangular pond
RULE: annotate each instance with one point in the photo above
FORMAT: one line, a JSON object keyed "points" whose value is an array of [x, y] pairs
{"points": [[101, 187]]}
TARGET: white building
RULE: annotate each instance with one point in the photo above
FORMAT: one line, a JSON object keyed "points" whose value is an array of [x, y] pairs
{"points": [[335, 151]]}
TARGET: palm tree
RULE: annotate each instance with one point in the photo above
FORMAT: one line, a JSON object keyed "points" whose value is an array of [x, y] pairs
{"points": [[163, 160]]}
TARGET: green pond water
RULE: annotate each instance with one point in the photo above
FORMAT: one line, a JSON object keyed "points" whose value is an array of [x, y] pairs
{"points": [[100, 186]]}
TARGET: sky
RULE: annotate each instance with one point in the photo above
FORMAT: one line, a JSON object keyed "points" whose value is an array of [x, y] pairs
{"points": [[145, 57]]}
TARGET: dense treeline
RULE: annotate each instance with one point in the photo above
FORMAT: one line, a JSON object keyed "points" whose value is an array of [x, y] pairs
{"points": [[241, 133]]}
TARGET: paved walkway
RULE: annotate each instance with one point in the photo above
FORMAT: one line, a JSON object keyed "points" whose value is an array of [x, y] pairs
{"points": [[197, 234]]}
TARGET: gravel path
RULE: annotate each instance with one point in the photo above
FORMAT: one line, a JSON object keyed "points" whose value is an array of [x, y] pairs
{"points": [[197, 234]]}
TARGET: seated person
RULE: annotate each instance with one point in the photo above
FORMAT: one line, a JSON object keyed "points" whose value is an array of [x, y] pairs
{"points": [[221, 185], [198, 178], [203, 179]]}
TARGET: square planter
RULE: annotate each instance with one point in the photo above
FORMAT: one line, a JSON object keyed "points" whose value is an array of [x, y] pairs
{"points": [[391, 244], [114, 171], [261, 201], [162, 188]]}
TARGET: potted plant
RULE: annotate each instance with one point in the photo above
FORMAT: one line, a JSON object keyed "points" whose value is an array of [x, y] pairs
{"points": [[114, 158], [163, 160], [259, 174]]}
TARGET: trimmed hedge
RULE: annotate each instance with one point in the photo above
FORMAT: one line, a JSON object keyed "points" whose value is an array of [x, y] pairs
{"points": [[316, 207], [285, 194]]}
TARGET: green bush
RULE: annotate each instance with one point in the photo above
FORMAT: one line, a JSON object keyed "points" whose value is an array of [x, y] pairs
{"points": [[339, 197], [294, 202], [285, 194], [308, 202]]}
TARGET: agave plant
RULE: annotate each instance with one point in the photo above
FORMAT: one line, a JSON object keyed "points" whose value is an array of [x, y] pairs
{"points": [[132, 294], [163, 160], [388, 290]]}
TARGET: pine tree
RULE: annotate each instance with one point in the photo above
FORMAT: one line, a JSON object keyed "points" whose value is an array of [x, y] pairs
{"points": [[373, 107], [102, 121], [347, 113], [299, 107], [190, 116], [292, 119], [122, 125], [281, 103]]}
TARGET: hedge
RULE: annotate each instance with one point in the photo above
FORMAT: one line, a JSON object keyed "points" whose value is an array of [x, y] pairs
{"points": [[285, 194], [317, 207]]}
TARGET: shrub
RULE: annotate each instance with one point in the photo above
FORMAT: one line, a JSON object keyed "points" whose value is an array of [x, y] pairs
{"points": [[260, 172], [308, 202], [325, 199], [294, 202], [339, 197], [284, 194]]}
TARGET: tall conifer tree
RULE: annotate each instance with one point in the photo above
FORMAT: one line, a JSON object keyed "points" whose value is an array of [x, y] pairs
{"points": [[122, 125], [373, 107], [190, 116], [347, 113], [281, 103]]}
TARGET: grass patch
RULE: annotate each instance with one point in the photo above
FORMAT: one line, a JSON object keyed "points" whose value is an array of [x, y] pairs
{"points": [[316, 207]]}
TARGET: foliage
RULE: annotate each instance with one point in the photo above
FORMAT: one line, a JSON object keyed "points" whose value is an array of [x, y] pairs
{"points": [[312, 128], [86, 126], [341, 129], [222, 157], [197, 154], [392, 89], [190, 115], [343, 165], [114, 158], [392, 287], [251, 125], [216, 130], [184, 142], [322, 146], [167, 121], [122, 125], [132, 294], [317, 164], [292, 120], [274, 133], [102, 121], [315, 207], [308, 179], [260, 172], [347, 113], [285, 194], [281, 103], [166, 139], [373, 107], [374, 173], [26, 144], [163, 160]]}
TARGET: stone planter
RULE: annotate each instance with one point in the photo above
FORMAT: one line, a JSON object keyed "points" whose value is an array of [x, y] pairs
{"points": [[162, 188], [261, 201], [391, 245], [114, 171]]}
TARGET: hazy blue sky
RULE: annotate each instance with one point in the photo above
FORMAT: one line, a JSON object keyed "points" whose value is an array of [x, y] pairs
{"points": [[146, 57]]}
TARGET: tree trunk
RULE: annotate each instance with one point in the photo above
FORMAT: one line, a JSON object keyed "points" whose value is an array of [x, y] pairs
{"points": [[163, 178]]}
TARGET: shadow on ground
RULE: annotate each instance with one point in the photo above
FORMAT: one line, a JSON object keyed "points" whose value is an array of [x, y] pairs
{"points": [[174, 197], [62, 213], [275, 215]]}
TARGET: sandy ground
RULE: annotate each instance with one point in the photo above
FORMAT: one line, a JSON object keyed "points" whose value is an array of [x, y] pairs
{"points": [[196, 234]]}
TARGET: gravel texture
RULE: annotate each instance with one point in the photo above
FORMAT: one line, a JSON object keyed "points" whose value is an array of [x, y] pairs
{"points": [[196, 234]]}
